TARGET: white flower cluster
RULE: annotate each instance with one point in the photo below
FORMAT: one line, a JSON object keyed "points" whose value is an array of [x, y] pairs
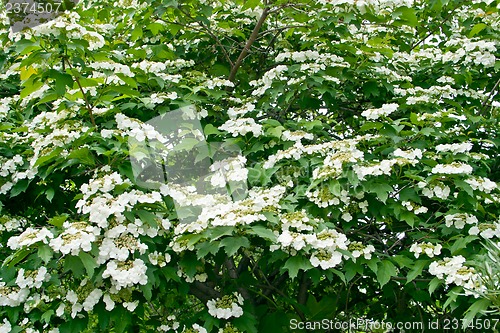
{"points": [[358, 249], [453, 271], [10, 166], [235, 112], [412, 155], [12, 296], [172, 324], [75, 237], [229, 213], [459, 220], [385, 110], [140, 131], [226, 307], [334, 161], [242, 126], [412, 207], [296, 136], [32, 279], [5, 327], [326, 259], [482, 184], [159, 259], [102, 206], [91, 299], [452, 168], [486, 230], [120, 246], [29, 237], [439, 190], [298, 150], [217, 82], [383, 167], [126, 274], [428, 248], [231, 169], [8, 223], [455, 148], [276, 73], [195, 328]]}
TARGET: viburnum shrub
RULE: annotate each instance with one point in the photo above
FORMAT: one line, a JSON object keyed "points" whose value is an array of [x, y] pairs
{"points": [[366, 164]]}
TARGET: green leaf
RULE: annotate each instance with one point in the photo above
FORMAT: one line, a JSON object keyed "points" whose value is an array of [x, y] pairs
{"points": [[477, 29], [49, 194], [61, 80], [478, 306], [370, 125], [296, 263], [16, 257], [221, 231], [211, 130], [461, 243], [207, 247], [83, 155], [251, 4], [263, 232], [45, 253], [385, 270], [416, 270], [58, 220], [148, 217], [434, 284], [232, 244], [89, 263], [381, 190]]}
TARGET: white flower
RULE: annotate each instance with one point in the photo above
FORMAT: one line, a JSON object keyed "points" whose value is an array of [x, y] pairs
{"points": [[126, 274], [385, 110], [459, 220], [5, 327], [28, 237], [34, 279], [242, 126], [452, 168], [326, 259], [455, 147], [428, 248], [226, 307]]}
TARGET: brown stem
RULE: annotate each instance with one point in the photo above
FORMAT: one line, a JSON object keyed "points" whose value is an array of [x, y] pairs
{"points": [[488, 100], [87, 104], [249, 43]]}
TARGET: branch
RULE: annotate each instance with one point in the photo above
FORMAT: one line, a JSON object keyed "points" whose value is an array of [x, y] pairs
{"points": [[203, 292], [249, 43], [233, 274], [489, 99], [87, 104]]}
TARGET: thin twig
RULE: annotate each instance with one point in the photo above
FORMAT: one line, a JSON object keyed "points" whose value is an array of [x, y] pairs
{"points": [[87, 104]]}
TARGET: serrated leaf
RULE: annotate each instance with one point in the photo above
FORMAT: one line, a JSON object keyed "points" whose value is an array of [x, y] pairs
{"points": [[45, 253], [88, 262], [211, 130], [478, 306], [296, 263], [263, 232], [148, 217], [416, 270], [232, 244], [207, 247], [434, 284], [58, 221], [385, 271], [221, 231]]}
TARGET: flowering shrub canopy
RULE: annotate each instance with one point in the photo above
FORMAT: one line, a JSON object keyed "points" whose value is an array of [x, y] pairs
{"points": [[363, 183]]}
